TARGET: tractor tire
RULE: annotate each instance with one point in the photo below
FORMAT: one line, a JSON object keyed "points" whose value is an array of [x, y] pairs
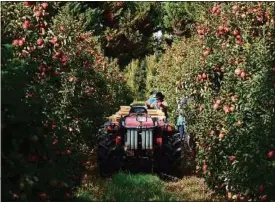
{"points": [[109, 156], [169, 158], [189, 150]]}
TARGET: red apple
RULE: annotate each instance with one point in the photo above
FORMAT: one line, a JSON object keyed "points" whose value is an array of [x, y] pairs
{"points": [[234, 98], [53, 40], [27, 22], [26, 3], [68, 152], [204, 168], [53, 125], [235, 8], [56, 73], [15, 42], [110, 16], [29, 3], [214, 9], [63, 59], [243, 74], [68, 195], [263, 198], [32, 158], [215, 106], [220, 28], [55, 141], [236, 32], [56, 55], [21, 42], [238, 37], [271, 154], [42, 195], [61, 28], [24, 26], [15, 196], [39, 41], [44, 5], [231, 159], [71, 78], [239, 42], [226, 29], [42, 25], [261, 188], [231, 108], [221, 135], [200, 32], [226, 109], [206, 53], [218, 101], [238, 71], [37, 13], [199, 77], [238, 124]]}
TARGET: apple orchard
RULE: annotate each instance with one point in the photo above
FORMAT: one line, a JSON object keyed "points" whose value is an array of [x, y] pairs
{"points": [[58, 86]]}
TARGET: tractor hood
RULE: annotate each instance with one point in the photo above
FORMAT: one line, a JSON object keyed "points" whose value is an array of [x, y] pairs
{"points": [[131, 121]]}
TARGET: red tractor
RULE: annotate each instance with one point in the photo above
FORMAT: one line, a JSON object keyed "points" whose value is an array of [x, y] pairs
{"points": [[140, 133]]}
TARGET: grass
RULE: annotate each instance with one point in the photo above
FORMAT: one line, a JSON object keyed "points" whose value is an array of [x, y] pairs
{"points": [[144, 187], [124, 187], [139, 187], [191, 188]]}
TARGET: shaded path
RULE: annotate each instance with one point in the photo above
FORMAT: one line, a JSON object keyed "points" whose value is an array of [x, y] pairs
{"points": [[141, 186]]}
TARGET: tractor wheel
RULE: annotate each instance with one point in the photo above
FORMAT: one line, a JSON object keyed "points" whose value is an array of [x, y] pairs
{"points": [[169, 158], [189, 150], [109, 156]]}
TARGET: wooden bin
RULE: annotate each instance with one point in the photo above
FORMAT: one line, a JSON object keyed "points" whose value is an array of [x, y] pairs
{"points": [[124, 110]]}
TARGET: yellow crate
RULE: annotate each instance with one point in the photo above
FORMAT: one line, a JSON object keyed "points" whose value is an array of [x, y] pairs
{"points": [[124, 110]]}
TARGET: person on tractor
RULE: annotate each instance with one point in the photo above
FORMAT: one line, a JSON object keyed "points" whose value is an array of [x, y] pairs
{"points": [[151, 99], [160, 103]]}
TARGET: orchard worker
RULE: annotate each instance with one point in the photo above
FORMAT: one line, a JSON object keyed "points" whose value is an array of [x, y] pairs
{"points": [[160, 103], [151, 99], [181, 122]]}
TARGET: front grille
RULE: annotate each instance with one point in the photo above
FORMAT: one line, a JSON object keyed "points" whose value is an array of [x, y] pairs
{"points": [[133, 138], [147, 139]]}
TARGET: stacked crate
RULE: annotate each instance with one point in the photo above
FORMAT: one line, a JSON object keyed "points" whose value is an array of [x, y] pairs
{"points": [[124, 110]]}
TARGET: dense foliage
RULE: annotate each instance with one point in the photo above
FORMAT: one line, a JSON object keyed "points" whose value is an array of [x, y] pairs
{"points": [[229, 74], [61, 76], [58, 89]]}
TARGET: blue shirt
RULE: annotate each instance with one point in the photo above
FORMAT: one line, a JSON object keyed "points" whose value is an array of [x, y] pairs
{"points": [[180, 120], [151, 100]]}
